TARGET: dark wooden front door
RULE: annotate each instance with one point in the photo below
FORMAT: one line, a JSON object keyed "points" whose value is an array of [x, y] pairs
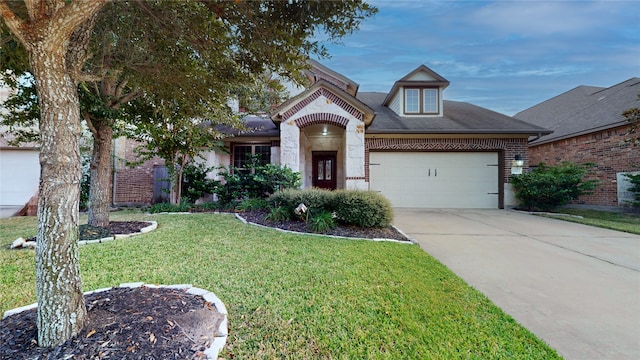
{"points": [[324, 170]]}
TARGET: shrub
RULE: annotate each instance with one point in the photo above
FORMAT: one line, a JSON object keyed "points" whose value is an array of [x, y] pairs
{"points": [[252, 204], [548, 187], [254, 181], [278, 213], [208, 206], [634, 179], [363, 208], [195, 183], [316, 200], [321, 222]]}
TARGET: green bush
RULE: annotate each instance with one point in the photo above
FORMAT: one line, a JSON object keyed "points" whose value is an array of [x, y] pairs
{"points": [[316, 200], [548, 187], [195, 183], [254, 181], [321, 222], [634, 188], [252, 204], [208, 206], [363, 208], [278, 213]]}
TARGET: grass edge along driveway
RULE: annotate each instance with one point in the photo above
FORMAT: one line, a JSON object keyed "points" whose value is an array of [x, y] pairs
{"points": [[296, 296]]}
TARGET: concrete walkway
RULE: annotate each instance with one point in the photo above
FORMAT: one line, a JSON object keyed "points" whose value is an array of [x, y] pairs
{"points": [[577, 287]]}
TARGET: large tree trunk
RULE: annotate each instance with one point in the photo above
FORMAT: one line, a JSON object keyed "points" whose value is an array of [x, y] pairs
{"points": [[100, 168], [61, 308], [56, 36]]}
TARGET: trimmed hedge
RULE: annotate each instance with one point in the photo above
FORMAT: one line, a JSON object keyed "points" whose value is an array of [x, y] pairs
{"points": [[363, 208], [316, 200], [351, 207]]}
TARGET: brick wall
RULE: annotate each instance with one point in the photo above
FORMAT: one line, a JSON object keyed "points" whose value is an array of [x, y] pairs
{"points": [[133, 185], [607, 149], [509, 146]]}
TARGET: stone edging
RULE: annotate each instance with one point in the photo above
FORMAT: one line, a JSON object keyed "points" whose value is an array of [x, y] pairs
{"points": [[220, 338], [411, 241], [144, 230]]}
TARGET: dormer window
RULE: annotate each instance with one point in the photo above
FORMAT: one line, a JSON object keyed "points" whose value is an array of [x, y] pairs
{"points": [[418, 101]]}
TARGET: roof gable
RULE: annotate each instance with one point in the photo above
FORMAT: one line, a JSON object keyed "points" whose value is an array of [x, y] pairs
{"points": [[320, 72], [421, 76], [324, 88], [423, 73]]}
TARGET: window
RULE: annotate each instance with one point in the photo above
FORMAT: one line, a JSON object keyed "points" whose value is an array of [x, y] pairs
{"points": [[421, 101], [430, 100], [412, 100], [242, 155]]}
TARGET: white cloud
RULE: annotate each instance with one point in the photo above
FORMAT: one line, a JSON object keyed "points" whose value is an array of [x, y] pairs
{"points": [[543, 18]]}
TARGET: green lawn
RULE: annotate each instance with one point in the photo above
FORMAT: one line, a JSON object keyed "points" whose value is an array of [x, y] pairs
{"points": [[293, 296], [627, 222]]}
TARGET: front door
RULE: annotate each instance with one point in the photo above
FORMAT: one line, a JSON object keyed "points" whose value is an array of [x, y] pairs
{"points": [[324, 169]]}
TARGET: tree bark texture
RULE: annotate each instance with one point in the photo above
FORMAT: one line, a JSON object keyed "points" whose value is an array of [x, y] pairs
{"points": [[56, 36], [61, 308], [100, 168]]}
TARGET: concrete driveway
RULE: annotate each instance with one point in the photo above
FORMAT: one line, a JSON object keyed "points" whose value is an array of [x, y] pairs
{"points": [[577, 287]]}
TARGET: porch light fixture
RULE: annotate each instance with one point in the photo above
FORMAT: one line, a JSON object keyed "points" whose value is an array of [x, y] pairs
{"points": [[516, 165], [324, 131], [518, 161]]}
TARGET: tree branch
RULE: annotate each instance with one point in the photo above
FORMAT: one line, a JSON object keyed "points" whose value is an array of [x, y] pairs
{"points": [[78, 50], [120, 87], [84, 77], [87, 118], [125, 99], [14, 23], [76, 13]]}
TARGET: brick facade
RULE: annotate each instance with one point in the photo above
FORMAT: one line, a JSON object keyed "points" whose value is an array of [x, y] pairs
{"points": [[330, 97], [133, 185], [607, 149]]}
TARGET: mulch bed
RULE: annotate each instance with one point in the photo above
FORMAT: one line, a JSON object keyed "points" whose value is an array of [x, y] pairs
{"points": [[88, 232], [258, 217], [126, 227], [123, 323]]}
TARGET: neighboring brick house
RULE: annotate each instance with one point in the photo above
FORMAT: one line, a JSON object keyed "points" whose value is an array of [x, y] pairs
{"points": [[588, 127]]}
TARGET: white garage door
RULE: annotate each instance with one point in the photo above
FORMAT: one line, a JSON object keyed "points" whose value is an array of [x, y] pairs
{"points": [[19, 176], [436, 180]]}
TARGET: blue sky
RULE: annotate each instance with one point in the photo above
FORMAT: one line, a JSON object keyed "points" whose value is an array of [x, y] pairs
{"points": [[503, 55]]}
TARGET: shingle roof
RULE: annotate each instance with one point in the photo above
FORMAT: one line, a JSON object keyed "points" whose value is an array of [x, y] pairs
{"points": [[583, 109], [256, 126], [459, 118]]}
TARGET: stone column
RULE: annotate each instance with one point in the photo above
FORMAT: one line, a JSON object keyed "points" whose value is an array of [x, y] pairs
{"points": [[290, 145], [354, 156]]}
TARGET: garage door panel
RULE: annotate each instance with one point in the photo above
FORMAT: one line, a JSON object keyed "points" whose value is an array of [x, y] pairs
{"points": [[436, 180]]}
